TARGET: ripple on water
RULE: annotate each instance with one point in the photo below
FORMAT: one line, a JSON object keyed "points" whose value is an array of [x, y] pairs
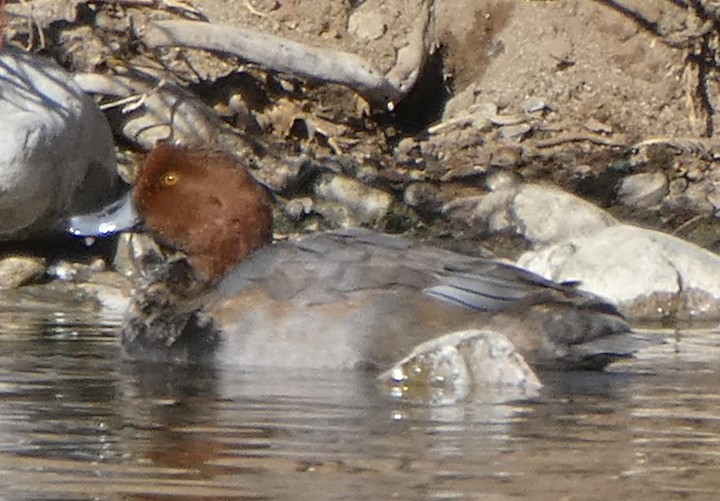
{"points": [[76, 422]]}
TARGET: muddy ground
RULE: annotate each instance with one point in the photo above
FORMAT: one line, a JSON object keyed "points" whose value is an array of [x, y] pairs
{"points": [[615, 101]]}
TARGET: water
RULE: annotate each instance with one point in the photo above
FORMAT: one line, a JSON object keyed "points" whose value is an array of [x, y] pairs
{"points": [[76, 422]]}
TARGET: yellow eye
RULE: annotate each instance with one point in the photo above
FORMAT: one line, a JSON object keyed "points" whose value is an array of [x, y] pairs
{"points": [[170, 178]]}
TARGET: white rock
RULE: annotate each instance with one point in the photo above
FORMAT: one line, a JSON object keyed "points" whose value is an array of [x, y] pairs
{"points": [[57, 154], [541, 214], [18, 270], [649, 274]]}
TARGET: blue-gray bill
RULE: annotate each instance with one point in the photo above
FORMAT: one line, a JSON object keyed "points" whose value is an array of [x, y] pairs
{"points": [[114, 218]]}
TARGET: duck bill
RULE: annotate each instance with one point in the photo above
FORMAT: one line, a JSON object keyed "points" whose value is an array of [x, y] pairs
{"points": [[110, 220]]}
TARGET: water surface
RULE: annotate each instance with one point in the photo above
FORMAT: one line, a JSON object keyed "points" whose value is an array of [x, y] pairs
{"points": [[77, 422]]}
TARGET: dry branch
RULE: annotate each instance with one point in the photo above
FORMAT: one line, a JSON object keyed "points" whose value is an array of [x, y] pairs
{"points": [[281, 55]]}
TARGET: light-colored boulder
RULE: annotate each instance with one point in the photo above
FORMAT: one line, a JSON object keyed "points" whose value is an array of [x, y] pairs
{"points": [[649, 274], [541, 214], [362, 203], [57, 154]]}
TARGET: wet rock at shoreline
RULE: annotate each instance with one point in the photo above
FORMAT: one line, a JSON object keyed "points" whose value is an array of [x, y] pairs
{"points": [[649, 274], [481, 365], [19, 270]]}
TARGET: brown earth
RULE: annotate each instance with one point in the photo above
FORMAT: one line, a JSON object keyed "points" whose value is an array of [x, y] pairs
{"points": [[582, 93]]}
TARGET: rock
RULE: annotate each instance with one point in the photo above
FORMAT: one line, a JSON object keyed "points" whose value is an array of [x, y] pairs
{"points": [[366, 204], [515, 132], [298, 208], [335, 214], [481, 365], [367, 25], [106, 294], [536, 105], [277, 175], [424, 197], [543, 215], [57, 154], [67, 271], [643, 190], [19, 270], [649, 274], [460, 103], [112, 291]]}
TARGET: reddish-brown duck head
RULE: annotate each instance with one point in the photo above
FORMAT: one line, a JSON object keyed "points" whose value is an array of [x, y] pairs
{"points": [[205, 204]]}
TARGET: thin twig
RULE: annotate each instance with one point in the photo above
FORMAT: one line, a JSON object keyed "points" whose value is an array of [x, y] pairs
{"points": [[579, 138], [184, 8]]}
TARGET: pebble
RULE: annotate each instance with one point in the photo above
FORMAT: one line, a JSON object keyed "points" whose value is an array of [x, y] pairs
{"points": [[19, 270], [298, 208], [423, 196], [367, 25], [643, 190], [365, 203]]}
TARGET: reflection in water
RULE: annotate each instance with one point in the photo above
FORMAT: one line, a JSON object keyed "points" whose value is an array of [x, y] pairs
{"points": [[76, 422]]}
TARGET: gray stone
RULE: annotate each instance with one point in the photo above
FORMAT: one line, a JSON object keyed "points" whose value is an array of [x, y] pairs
{"points": [[298, 208], [649, 274], [543, 215], [366, 24], [643, 190], [68, 271], [423, 197], [536, 105], [366, 204], [515, 132], [473, 364], [19, 270], [57, 154]]}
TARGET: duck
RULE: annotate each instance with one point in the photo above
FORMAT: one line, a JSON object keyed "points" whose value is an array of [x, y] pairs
{"points": [[57, 156], [214, 285]]}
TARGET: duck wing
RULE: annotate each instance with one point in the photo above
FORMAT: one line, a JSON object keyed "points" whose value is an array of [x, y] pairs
{"points": [[326, 266], [415, 292]]}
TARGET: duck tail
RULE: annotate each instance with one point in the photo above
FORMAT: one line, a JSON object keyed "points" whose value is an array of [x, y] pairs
{"points": [[598, 353]]}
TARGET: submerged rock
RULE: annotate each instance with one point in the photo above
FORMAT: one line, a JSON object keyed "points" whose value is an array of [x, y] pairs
{"points": [[482, 365]]}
